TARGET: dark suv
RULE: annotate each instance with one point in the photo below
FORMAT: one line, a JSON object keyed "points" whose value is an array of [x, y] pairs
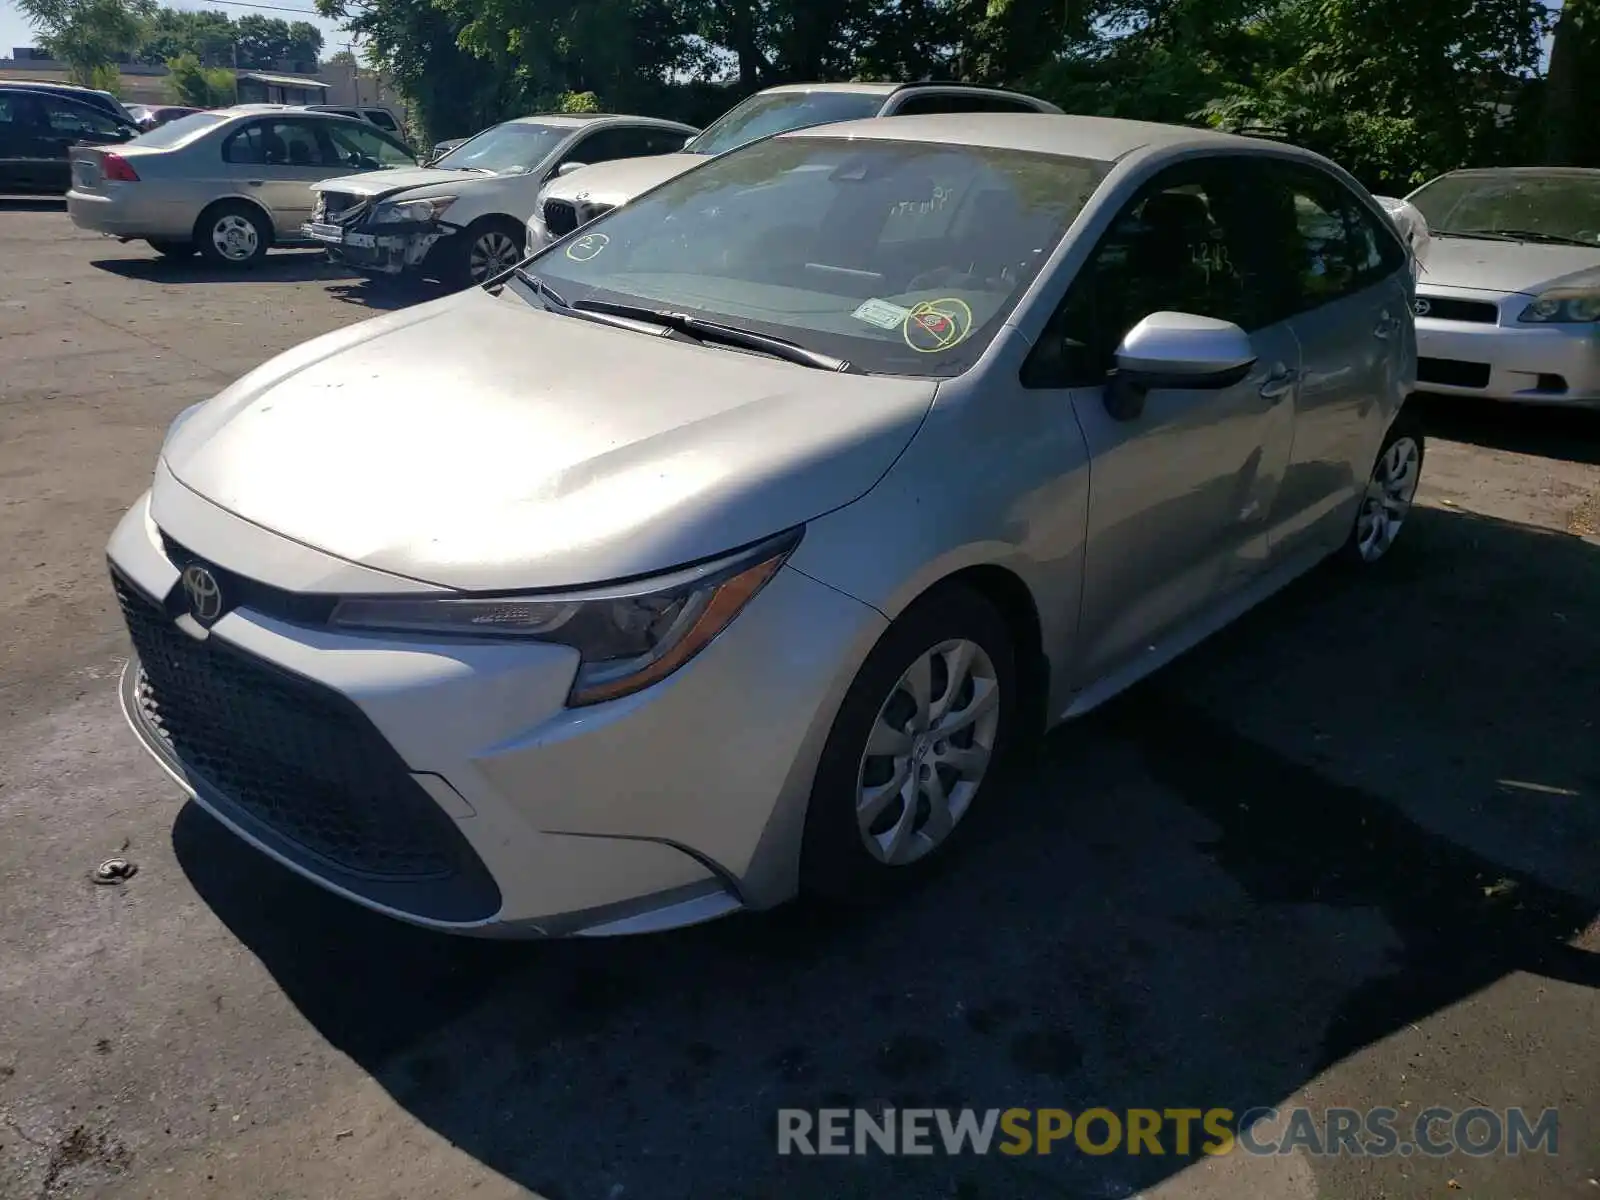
{"points": [[39, 125]]}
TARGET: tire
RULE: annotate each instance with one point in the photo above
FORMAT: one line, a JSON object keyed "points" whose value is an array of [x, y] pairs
{"points": [[1390, 492], [836, 862], [172, 249], [233, 234], [475, 251]]}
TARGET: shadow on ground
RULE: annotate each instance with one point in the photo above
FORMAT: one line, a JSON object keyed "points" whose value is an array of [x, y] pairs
{"points": [[386, 295], [1570, 434], [1319, 828], [279, 266]]}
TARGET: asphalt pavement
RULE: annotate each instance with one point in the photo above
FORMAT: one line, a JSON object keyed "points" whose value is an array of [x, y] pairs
{"points": [[1345, 854]]}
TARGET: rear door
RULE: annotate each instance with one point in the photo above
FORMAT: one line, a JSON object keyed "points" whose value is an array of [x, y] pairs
{"points": [[1348, 301], [67, 123]]}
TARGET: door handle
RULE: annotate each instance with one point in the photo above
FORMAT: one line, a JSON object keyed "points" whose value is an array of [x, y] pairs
{"points": [[254, 182], [1279, 383], [1386, 325]]}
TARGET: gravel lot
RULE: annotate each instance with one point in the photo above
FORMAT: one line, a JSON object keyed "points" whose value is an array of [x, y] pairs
{"points": [[1346, 854]]}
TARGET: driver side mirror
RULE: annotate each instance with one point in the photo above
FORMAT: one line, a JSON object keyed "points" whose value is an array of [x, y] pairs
{"points": [[567, 168], [689, 139], [1176, 350]]}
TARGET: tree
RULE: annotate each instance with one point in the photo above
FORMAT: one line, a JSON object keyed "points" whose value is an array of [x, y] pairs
{"points": [[209, 36], [268, 42], [199, 86], [1572, 88], [88, 35], [344, 58]]}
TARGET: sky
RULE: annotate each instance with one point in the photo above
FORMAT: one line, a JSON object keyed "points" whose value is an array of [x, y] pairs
{"points": [[16, 31]]}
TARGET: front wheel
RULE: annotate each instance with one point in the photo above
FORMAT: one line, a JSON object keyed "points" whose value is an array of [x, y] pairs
{"points": [[485, 249], [918, 738], [1391, 490]]}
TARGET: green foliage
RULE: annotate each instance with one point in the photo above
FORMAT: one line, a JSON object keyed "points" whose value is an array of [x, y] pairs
{"points": [[1395, 91], [87, 35], [215, 39], [198, 86], [578, 102]]}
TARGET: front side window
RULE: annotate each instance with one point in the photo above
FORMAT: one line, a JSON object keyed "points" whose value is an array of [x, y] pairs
{"points": [[1182, 244], [768, 113], [820, 241], [364, 149], [1551, 206], [515, 147], [1332, 245]]}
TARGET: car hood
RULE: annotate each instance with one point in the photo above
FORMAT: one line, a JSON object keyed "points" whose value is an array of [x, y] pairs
{"points": [[1502, 266], [619, 181], [475, 443], [396, 179]]}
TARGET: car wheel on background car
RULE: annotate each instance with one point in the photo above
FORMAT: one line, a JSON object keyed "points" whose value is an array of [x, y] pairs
{"points": [[921, 733], [172, 249], [485, 249], [1390, 491], [233, 234]]}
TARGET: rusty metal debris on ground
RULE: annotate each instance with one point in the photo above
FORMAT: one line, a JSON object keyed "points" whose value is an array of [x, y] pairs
{"points": [[115, 870]]}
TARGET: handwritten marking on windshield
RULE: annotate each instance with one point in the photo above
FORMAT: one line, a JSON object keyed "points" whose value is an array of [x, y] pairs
{"points": [[937, 325], [586, 247]]}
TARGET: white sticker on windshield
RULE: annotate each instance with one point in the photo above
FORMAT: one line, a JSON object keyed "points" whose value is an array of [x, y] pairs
{"points": [[882, 314]]}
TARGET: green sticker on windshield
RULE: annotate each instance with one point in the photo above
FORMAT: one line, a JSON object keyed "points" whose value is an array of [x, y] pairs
{"points": [[882, 314]]}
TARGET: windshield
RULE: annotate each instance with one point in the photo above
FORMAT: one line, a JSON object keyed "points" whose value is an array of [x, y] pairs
{"points": [[900, 257], [514, 147], [777, 112], [181, 130], [1561, 206]]}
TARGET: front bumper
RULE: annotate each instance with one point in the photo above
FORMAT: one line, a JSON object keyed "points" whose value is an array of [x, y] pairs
{"points": [[1504, 359], [447, 784], [393, 248]]}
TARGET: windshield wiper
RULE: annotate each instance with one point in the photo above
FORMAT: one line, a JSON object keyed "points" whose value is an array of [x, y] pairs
{"points": [[551, 301], [1513, 235], [726, 335]]}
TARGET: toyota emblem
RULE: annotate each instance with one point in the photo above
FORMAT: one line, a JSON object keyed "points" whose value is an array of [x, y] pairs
{"points": [[205, 597], [1421, 307]]}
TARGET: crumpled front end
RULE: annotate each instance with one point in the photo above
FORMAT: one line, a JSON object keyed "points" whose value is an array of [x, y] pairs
{"points": [[345, 226]]}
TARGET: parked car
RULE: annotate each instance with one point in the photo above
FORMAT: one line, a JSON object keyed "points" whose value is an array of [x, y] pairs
{"points": [[579, 197], [380, 115], [229, 183], [440, 149], [1508, 303], [724, 551], [462, 218], [38, 128], [149, 117], [102, 100]]}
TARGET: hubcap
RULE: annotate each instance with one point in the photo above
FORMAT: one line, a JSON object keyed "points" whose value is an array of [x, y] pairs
{"points": [[234, 237], [1388, 499], [928, 752], [492, 253]]}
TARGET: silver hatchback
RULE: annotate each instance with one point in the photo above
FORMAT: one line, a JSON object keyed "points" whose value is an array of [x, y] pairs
{"points": [[229, 183]]}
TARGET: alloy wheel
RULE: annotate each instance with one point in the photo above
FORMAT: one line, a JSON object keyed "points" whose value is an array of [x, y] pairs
{"points": [[1388, 498], [928, 752], [493, 252], [235, 238]]}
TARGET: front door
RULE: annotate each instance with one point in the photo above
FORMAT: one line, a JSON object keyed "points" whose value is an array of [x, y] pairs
{"points": [[1348, 302], [275, 161], [1179, 497]]}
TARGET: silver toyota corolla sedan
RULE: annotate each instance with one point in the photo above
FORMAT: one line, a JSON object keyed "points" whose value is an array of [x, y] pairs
{"points": [[721, 550], [1509, 297], [230, 183]]}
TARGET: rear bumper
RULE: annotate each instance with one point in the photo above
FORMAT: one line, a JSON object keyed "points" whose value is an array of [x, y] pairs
{"points": [[1508, 360], [121, 211], [389, 249]]}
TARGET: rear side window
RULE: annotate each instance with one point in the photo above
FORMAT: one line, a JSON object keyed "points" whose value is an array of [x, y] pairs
{"points": [[382, 120], [1332, 244], [12, 110]]}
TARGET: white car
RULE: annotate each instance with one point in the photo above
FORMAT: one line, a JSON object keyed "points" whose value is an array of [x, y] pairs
{"points": [[723, 549], [580, 196], [461, 218], [1508, 297]]}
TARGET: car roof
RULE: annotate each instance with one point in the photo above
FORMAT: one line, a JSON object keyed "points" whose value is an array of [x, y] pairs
{"points": [[1103, 138], [879, 88], [575, 120], [1486, 172]]}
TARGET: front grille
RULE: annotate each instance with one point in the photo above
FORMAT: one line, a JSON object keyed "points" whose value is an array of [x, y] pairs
{"points": [[560, 217], [1452, 372], [1445, 308], [593, 212], [342, 208], [301, 763]]}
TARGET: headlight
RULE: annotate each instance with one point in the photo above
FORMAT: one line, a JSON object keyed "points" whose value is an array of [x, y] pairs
{"points": [[627, 637], [413, 210], [1564, 306]]}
